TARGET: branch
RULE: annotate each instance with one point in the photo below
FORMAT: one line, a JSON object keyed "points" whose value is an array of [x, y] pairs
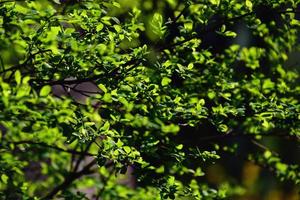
{"points": [[18, 66], [263, 147], [229, 136], [105, 181], [205, 30], [255, 162], [82, 156], [53, 147], [213, 28], [71, 178], [181, 13], [112, 73]]}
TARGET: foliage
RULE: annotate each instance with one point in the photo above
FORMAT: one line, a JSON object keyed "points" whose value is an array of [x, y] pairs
{"points": [[177, 92]]}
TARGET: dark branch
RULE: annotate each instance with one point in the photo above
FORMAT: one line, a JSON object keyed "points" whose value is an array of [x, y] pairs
{"points": [[82, 156], [230, 136], [218, 24], [19, 66], [113, 73], [70, 179], [41, 144]]}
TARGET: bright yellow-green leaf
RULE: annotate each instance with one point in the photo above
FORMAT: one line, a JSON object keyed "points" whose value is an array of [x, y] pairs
{"points": [[118, 28], [68, 31], [116, 4], [200, 103], [281, 167], [249, 4], [18, 77], [165, 81], [105, 127], [107, 98], [4, 178], [45, 90], [99, 27], [223, 128], [119, 143], [215, 2], [25, 79], [127, 149], [267, 154], [295, 22], [190, 66], [160, 170], [188, 25], [172, 128], [230, 34], [102, 87]]}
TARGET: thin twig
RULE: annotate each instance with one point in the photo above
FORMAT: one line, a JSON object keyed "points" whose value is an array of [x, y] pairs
{"points": [[263, 147], [181, 13]]}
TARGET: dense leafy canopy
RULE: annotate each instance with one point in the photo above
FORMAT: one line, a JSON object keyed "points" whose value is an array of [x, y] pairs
{"points": [[178, 86]]}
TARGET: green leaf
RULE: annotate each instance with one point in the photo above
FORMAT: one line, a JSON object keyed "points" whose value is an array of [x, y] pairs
{"points": [[295, 22], [45, 90], [26, 79], [127, 149], [107, 98], [267, 154], [190, 66], [119, 143], [102, 87], [69, 31], [165, 81], [199, 172], [118, 28], [18, 77], [188, 25], [157, 25], [56, 1], [105, 127], [215, 2], [160, 170], [99, 27], [230, 34], [223, 128], [200, 104], [4, 178], [172, 128], [249, 4], [116, 4], [123, 101], [158, 19], [281, 167], [171, 180]]}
